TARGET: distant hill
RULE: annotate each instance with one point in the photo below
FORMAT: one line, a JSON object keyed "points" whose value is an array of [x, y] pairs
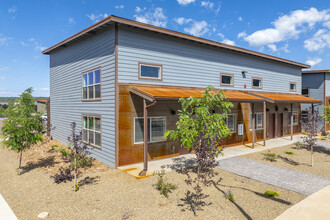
{"points": [[12, 99]]}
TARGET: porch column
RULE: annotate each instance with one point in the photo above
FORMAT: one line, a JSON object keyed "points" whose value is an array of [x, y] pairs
{"points": [[265, 124], [253, 125], [145, 145], [291, 119]]}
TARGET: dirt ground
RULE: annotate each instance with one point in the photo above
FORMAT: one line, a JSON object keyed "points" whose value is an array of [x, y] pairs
{"points": [[299, 160], [107, 193]]}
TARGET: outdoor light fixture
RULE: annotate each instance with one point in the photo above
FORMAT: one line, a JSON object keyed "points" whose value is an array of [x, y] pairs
{"points": [[173, 112], [286, 109], [276, 108], [244, 72]]}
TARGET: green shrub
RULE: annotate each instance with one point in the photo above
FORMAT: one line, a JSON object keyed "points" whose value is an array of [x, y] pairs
{"points": [[162, 185], [270, 193], [289, 152], [230, 196], [304, 132], [322, 138], [270, 156], [65, 153], [298, 144], [54, 146], [82, 162]]}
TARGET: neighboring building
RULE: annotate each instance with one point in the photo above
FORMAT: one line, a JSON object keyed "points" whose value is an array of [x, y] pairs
{"points": [[41, 106], [316, 84], [108, 77]]}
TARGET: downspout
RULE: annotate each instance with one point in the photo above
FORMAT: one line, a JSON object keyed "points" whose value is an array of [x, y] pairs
{"points": [[145, 131]]}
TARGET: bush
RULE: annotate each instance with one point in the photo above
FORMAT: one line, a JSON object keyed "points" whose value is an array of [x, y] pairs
{"points": [[65, 153], [304, 132], [54, 146], [162, 185], [83, 161], [270, 193], [298, 144], [230, 196], [289, 152], [322, 138], [63, 176], [270, 156]]}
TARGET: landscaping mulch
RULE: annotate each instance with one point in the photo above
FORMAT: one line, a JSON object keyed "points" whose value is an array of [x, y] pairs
{"points": [[299, 160], [107, 193]]}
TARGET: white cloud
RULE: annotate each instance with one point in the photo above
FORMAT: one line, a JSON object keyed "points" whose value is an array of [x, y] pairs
{"points": [[197, 28], [242, 34], [221, 35], [321, 39], [72, 21], [273, 47], [288, 27], [4, 68], [182, 20], [4, 40], [211, 6], [240, 18], [153, 16], [13, 9], [185, 2], [314, 61], [24, 44], [327, 24], [119, 6], [97, 17], [3, 78], [229, 42], [207, 4]]}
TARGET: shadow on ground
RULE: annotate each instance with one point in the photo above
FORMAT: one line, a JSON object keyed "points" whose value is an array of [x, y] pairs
{"points": [[42, 162], [89, 181]]}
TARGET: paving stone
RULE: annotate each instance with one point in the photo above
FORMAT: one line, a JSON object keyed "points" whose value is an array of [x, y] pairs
{"points": [[293, 180]]}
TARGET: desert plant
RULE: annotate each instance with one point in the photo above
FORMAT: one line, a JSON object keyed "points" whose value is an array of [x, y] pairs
{"points": [[289, 152], [230, 196], [200, 130], [311, 126], [65, 154], [54, 146], [270, 193], [23, 127], [163, 185], [270, 156], [304, 132], [64, 175]]}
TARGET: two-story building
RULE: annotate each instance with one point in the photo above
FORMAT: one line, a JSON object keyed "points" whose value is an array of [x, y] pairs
{"points": [[120, 81]]}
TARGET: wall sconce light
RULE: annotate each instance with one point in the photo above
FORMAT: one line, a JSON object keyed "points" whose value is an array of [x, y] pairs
{"points": [[173, 112], [244, 72], [276, 108], [267, 109], [286, 109]]}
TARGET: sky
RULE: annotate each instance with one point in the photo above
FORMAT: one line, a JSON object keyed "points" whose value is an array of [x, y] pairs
{"points": [[297, 30]]}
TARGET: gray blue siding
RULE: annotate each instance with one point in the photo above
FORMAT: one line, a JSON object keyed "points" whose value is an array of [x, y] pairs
{"points": [[66, 67], [327, 84], [195, 65]]}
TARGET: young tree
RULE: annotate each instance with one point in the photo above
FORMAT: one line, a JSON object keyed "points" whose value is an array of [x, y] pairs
{"points": [[23, 127], [200, 130], [311, 127]]}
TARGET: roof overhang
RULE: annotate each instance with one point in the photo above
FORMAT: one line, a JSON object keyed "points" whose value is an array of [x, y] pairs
{"points": [[152, 93], [284, 98], [114, 19], [315, 71]]}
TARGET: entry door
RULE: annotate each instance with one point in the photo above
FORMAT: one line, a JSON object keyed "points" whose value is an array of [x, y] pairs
{"points": [[279, 124], [271, 132]]}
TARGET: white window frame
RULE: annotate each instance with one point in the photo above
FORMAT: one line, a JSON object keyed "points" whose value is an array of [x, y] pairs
{"points": [[250, 123], [226, 74], [93, 130], [261, 83], [160, 75], [235, 122], [94, 84], [293, 83], [294, 123], [162, 117]]}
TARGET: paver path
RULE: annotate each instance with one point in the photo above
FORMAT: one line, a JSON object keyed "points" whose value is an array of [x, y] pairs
{"points": [[323, 144], [293, 180]]}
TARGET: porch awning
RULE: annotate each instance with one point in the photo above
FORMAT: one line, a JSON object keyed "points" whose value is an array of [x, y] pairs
{"points": [[152, 93], [283, 97]]}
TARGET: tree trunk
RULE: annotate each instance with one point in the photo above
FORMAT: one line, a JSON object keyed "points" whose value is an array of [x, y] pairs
{"points": [[312, 159], [75, 173], [20, 162]]}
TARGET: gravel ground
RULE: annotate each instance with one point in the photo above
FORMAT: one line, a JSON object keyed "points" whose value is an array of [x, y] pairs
{"points": [[300, 160], [113, 194]]}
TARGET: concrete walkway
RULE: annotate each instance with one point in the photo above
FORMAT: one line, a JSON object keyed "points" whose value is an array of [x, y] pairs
{"points": [[316, 206], [323, 144], [293, 180], [229, 152], [5, 210]]}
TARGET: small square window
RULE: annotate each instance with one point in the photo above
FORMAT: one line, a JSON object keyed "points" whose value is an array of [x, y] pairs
{"points": [[226, 79], [150, 71], [257, 83], [293, 87], [305, 92]]}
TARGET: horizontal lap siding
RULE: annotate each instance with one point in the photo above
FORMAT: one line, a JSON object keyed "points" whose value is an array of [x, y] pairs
{"points": [[195, 65], [67, 65]]}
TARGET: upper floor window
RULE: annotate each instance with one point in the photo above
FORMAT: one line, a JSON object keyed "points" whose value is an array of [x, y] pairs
{"points": [[92, 130], [231, 122], [150, 71], [293, 86], [91, 85], [226, 79], [156, 129], [305, 92], [257, 83]]}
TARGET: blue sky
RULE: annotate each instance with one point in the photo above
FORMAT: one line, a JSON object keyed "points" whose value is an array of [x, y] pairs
{"points": [[295, 30]]}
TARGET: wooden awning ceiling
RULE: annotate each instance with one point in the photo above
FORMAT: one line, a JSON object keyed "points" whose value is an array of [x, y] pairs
{"points": [[284, 98], [152, 93]]}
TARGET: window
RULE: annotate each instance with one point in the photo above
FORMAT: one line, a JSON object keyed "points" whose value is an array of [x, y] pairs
{"points": [[226, 79], [293, 86], [92, 130], [150, 71], [259, 122], [156, 128], [91, 85], [257, 83], [295, 118], [231, 122], [305, 92], [304, 116]]}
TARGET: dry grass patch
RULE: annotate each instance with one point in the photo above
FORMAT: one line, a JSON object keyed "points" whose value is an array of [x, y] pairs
{"points": [[299, 160]]}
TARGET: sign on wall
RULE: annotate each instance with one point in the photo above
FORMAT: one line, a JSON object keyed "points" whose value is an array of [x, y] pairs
{"points": [[240, 129]]}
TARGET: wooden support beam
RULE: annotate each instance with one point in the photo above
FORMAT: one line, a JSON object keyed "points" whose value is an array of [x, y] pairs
{"points": [[291, 119], [253, 125], [265, 123], [145, 145]]}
